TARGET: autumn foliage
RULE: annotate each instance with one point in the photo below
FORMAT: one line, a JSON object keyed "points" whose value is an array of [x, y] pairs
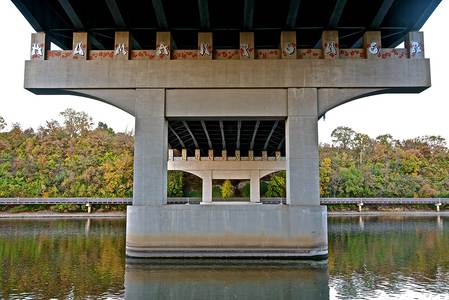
{"points": [[355, 165], [74, 158]]}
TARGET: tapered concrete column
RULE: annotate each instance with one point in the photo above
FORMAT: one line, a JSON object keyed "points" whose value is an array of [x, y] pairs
{"points": [[255, 187], [150, 148], [302, 147], [207, 187]]}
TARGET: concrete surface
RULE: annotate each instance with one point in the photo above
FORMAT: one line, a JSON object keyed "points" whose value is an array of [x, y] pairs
{"points": [[226, 231], [301, 145], [296, 73]]}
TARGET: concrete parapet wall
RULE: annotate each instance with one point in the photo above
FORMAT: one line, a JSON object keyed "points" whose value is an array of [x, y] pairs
{"points": [[246, 230]]}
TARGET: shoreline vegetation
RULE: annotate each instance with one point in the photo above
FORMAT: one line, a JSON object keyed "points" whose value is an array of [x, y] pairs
{"points": [[74, 158]]}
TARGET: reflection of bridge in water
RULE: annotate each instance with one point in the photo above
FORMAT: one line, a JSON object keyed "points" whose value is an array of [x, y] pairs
{"points": [[227, 279]]}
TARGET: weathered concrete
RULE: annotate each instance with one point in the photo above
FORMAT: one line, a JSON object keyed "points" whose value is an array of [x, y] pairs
{"points": [[227, 169], [255, 186], [206, 176], [226, 231], [331, 98], [226, 102], [150, 149], [244, 103], [302, 148], [295, 73]]}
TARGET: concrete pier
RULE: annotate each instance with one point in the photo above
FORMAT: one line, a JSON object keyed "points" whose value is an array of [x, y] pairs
{"points": [[227, 231]]}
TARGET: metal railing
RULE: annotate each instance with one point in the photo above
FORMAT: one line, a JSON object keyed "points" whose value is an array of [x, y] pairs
{"points": [[197, 200], [384, 201]]}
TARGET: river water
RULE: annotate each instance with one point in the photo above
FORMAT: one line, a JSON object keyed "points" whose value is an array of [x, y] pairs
{"points": [[369, 258]]}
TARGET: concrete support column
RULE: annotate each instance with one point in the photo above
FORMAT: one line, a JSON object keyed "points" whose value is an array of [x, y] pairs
{"points": [[303, 186], [255, 186], [150, 148], [207, 187]]}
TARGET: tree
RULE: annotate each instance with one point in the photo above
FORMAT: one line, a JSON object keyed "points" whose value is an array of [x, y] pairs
{"points": [[352, 182], [227, 191], [362, 143], [105, 127], [325, 175], [2, 123], [276, 185], [76, 123], [385, 139], [175, 183], [343, 137]]}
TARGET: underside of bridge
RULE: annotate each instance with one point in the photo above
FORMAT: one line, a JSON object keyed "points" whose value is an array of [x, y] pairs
{"points": [[227, 90], [243, 135]]}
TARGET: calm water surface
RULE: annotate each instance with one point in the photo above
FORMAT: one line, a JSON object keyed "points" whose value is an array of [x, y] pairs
{"points": [[369, 258]]}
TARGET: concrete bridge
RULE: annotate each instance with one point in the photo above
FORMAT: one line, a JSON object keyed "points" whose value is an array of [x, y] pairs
{"points": [[238, 95]]}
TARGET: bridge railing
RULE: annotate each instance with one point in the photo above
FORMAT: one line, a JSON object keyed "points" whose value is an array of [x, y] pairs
{"points": [[197, 200]]}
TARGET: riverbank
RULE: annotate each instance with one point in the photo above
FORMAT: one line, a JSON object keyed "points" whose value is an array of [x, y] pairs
{"points": [[50, 214], [405, 213], [122, 214]]}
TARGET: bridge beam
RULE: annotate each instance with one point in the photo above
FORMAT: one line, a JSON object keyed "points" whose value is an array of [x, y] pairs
{"points": [[378, 19], [76, 21], [203, 6], [293, 11]]}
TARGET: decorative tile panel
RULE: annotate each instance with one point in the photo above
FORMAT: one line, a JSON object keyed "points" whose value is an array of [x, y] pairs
{"points": [[352, 53], [143, 54], [392, 53], [268, 53], [185, 54], [227, 54], [101, 54], [310, 53]]}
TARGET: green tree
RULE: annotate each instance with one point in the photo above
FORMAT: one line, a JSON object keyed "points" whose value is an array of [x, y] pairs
{"points": [[277, 185], [343, 137], [351, 182], [175, 183], [227, 190], [325, 175]]}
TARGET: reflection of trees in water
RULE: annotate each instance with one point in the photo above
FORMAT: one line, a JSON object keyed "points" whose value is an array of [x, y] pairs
{"points": [[58, 258], [388, 254]]}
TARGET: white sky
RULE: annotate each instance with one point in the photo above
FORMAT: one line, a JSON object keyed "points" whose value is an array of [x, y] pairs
{"points": [[402, 115]]}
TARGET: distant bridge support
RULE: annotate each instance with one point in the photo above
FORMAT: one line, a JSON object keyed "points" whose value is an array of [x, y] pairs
{"points": [[231, 168]]}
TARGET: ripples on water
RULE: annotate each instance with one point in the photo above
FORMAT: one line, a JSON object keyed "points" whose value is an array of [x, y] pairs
{"points": [[369, 258]]}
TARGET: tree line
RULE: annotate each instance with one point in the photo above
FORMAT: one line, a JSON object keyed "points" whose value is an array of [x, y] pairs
{"points": [[74, 158]]}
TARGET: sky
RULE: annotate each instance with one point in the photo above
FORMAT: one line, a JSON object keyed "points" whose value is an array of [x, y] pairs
{"points": [[401, 115]]}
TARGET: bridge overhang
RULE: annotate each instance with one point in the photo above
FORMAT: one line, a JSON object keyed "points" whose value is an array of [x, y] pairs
{"points": [[41, 76]]}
